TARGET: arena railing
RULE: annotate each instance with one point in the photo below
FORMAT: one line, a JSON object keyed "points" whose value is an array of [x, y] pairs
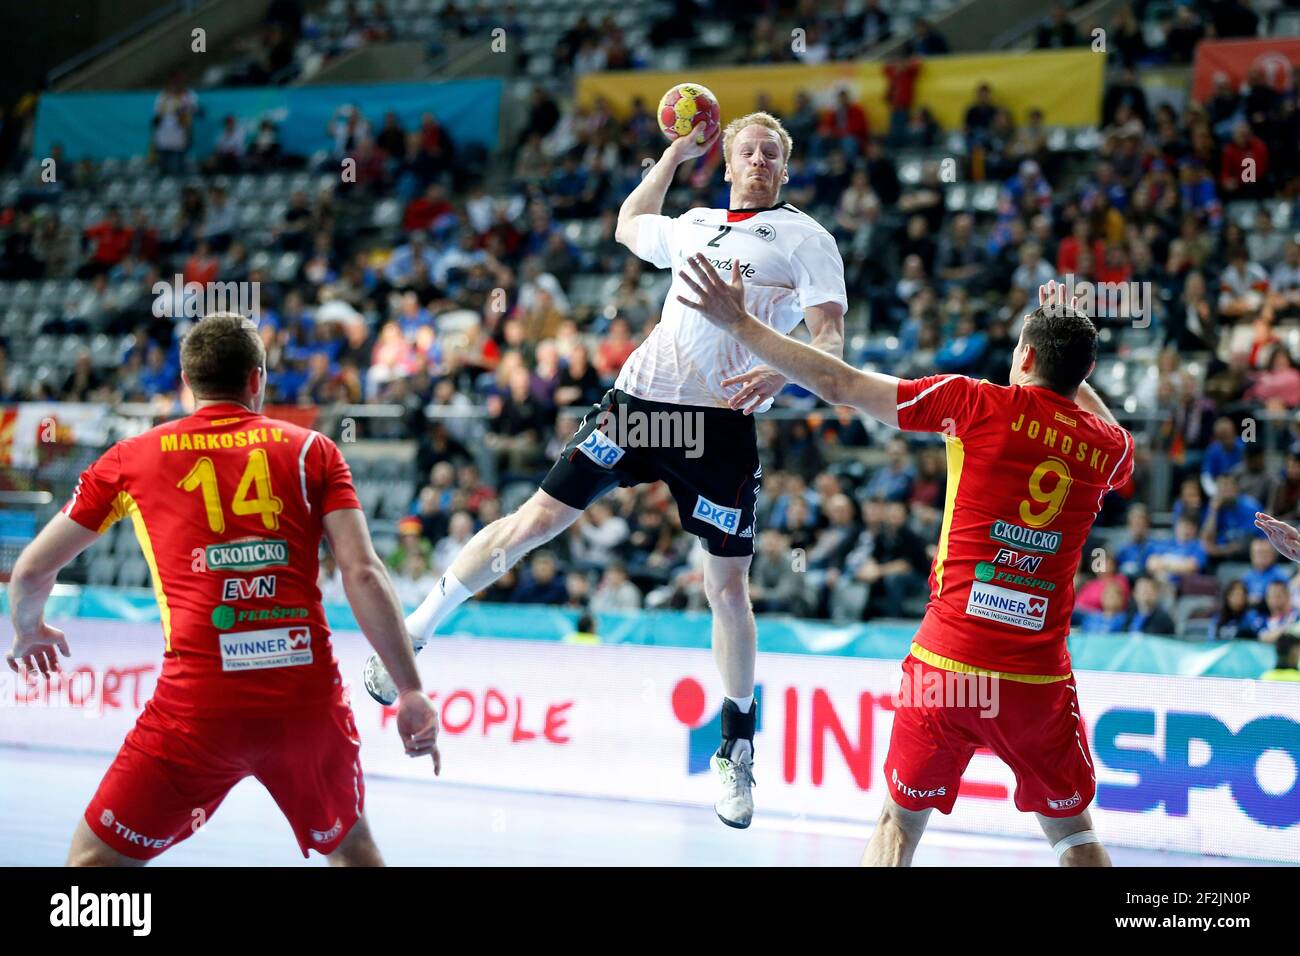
{"points": [[362, 430]]}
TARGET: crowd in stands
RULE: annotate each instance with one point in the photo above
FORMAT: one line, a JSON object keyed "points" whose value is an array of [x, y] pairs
{"points": [[516, 299]]}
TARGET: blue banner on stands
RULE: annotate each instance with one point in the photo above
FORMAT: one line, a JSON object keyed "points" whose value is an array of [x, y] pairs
{"points": [[120, 125], [1131, 653]]}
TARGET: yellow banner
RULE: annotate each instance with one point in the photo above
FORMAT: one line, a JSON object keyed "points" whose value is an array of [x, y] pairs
{"points": [[1066, 85]]}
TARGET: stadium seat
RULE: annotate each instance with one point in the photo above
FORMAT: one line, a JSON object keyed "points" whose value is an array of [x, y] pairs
{"points": [[71, 291], [19, 378], [515, 494], [24, 294], [388, 213], [909, 171], [49, 295], [1286, 24], [167, 188], [1243, 211], [387, 469], [371, 496], [1190, 607], [102, 571], [1231, 571], [125, 544], [251, 216], [286, 267], [115, 191], [385, 538], [985, 197], [1086, 139], [45, 348], [133, 573], [397, 500]]}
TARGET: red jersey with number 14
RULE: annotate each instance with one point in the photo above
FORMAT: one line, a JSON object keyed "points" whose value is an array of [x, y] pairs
{"points": [[227, 506], [1027, 471]]}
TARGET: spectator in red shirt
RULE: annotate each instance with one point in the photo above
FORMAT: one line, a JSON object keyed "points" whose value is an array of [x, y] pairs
{"points": [[370, 169], [1114, 266], [1079, 240], [900, 75], [423, 211], [144, 238], [1235, 168], [1088, 597], [202, 266], [432, 137], [615, 349], [111, 239], [1277, 388], [846, 125]]}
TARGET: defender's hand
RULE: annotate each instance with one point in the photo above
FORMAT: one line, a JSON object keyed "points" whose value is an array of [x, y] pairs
{"points": [[36, 651], [1280, 534], [417, 725], [721, 303], [1052, 295], [757, 385]]}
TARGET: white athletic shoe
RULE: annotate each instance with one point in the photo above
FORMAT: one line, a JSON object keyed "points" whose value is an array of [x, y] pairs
{"points": [[378, 684], [736, 806]]}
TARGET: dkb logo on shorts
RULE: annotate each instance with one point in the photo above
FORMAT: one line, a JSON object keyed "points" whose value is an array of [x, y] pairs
{"points": [[702, 740], [600, 449], [724, 519]]}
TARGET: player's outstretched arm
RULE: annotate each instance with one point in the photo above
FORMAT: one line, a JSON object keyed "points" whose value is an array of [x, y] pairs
{"points": [[379, 613], [648, 197], [760, 382], [829, 377], [30, 584], [1281, 535], [1088, 399]]}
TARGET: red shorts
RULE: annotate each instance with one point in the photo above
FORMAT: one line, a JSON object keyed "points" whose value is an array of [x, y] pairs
{"points": [[172, 773], [1034, 728]]}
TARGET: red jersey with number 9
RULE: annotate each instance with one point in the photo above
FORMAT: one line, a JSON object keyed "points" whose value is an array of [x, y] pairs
{"points": [[1027, 471], [227, 506]]}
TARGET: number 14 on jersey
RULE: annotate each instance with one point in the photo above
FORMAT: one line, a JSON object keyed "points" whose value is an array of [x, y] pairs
{"points": [[256, 478]]}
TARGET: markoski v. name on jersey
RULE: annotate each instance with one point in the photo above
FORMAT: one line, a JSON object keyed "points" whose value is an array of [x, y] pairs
{"points": [[789, 264]]}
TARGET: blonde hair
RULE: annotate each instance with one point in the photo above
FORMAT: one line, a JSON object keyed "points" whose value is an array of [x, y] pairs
{"points": [[755, 119]]}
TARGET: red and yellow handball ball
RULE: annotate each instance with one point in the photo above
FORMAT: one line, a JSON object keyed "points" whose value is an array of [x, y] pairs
{"points": [[689, 107]]}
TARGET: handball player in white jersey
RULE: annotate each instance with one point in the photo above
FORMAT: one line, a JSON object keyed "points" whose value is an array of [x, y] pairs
{"points": [[686, 367]]}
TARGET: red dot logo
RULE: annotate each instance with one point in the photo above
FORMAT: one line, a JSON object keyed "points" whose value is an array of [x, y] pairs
{"points": [[688, 701]]}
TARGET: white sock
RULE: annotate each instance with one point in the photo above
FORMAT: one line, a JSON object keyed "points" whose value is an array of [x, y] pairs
{"points": [[442, 600], [743, 703]]}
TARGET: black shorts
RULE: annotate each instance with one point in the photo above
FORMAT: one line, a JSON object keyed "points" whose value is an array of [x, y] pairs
{"points": [[707, 456]]}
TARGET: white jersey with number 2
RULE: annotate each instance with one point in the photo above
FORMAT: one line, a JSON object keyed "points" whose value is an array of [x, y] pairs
{"points": [[788, 262]]}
